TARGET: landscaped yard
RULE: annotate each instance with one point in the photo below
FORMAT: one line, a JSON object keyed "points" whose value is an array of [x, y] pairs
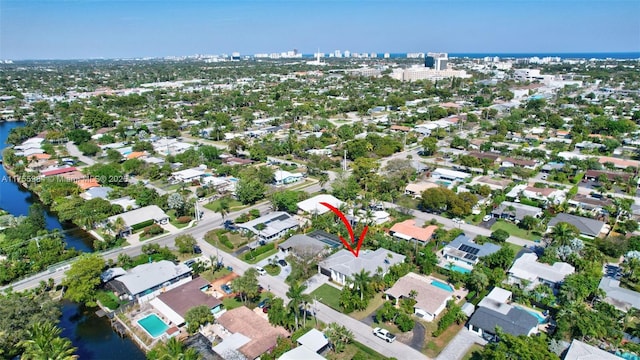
{"points": [[407, 202], [273, 270], [329, 296], [234, 238], [514, 230], [434, 345], [212, 276], [352, 349], [262, 256], [374, 304], [230, 303], [233, 205]]}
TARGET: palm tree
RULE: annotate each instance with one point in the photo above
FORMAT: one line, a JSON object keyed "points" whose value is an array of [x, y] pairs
{"points": [[119, 226], [44, 342], [563, 232], [223, 207], [296, 296], [413, 294], [361, 282], [323, 178], [175, 350], [339, 336]]}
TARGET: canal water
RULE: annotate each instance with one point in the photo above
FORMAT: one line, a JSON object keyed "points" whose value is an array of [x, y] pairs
{"points": [[93, 336]]}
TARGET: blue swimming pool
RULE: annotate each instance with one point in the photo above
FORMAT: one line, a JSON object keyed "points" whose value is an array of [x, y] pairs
{"points": [[441, 285], [153, 325], [541, 319], [458, 269], [627, 355], [444, 183]]}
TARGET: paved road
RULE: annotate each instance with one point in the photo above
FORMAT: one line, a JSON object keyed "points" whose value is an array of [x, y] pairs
{"points": [[460, 344], [74, 151], [469, 229]]}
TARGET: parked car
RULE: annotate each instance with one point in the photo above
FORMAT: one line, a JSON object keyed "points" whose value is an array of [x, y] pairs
{"points": [[266, 309], [457, 220], [196, 249], [261, 271], [486, 218], [226, 288], [282, 263], [384, 335], [264, 303], [190, 262]]}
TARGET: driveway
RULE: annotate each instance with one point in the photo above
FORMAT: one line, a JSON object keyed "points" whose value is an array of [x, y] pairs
{"points": [[460, 344], [75, 152], [417, 342], [488, 224]]}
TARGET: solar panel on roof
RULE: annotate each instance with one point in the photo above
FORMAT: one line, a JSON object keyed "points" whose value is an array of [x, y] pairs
{"points": [[470, 257], [473, 250]]}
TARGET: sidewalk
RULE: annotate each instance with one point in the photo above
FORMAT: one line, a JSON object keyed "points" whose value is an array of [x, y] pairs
{"points": [[460, 344]]}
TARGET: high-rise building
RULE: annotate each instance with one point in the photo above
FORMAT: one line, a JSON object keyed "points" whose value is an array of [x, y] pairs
{"points": [[437, 61], [347, 53], [387, 55]]}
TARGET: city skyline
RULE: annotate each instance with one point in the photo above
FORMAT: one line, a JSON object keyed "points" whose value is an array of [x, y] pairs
{"points": [[78, 29]]}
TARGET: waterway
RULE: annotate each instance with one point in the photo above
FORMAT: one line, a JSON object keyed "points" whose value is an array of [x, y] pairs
{"points": [[93, 336], [16, 200]]}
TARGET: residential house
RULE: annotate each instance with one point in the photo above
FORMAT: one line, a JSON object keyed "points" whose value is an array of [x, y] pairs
{"points": [[187, 175], [251, 335], [270, 226], [139, 216], [583, 351], [512, 162], [612, 176], [494, 311], [449, 175], [310, 346], [175, 303], [99, 192], [588, 227], [594, 203], [526, 270], [303, 246], [146, 281], [618, 163], [430, 300], [313, 205], [464, 252], [58, 171], [493, 157], [282, 177], [407, 230], [415, 190], [341, 266], [515, 211], [621, 298]]}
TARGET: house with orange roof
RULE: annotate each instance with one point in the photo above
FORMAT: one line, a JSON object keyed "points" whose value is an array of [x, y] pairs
{"points": [[39, 157], [136, 155], [407, 230], [86, 184]]}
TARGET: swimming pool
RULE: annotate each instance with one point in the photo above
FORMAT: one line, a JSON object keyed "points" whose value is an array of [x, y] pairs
{"points": [[541, 319], [441, 285], [153, 325], [458, 269], [627, 356], [444, 183]]}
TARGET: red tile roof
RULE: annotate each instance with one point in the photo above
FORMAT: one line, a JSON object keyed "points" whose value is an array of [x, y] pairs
{"points": [[58, 171], [408, 227]]}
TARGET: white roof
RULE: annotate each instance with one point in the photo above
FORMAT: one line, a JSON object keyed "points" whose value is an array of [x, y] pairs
{"points": [[300, 353], [528, 268], [188, 173], [146, 276], [581, 351], [451, 173], [499, 294], [313, 340], [167, 311], [313, 206], [280, 175], [133, 217], [227, 349]]}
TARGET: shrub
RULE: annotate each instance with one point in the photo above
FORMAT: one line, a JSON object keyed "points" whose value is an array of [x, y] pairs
{"points": [[154, 229], [405, 322], [259, 251], [224, 240], [500, 235], [184, 219], [142, 225]]}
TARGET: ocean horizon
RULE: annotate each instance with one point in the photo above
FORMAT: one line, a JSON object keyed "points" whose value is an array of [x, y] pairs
{"points": [[632, 55]]}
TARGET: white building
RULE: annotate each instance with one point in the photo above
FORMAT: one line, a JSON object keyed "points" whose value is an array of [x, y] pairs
{"points": [[449, 175], [527, 270]]}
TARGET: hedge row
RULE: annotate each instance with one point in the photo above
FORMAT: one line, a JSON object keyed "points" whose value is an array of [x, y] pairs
{"points": [[259, 250], [225, 241], [142, 225]]}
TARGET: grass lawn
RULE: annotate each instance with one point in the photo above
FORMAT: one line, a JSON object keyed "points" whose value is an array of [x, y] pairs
{"points": [[407, 202], [273, 270], [514, 230], [215, 205], [230, 303], [261, 256], [470, 354], [329, 296], [147, 237], [109, 299], [177, 224], [434, 345], [211, 276], [352, 349], [514, 247], [374, 304]]}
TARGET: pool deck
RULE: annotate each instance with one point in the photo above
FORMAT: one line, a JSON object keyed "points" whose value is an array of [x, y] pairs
{"points": [[458, 294]]}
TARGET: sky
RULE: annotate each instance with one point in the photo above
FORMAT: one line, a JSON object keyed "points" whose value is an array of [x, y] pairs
{"points": [[79, 29]]}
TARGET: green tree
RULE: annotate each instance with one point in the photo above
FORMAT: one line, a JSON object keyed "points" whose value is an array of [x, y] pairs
{"points": [[361, 282], [247, 285], [339, 336], [250, 191], [528, 223], [429, 146], [296, 299], [564, 232], [83, 278], [185, 243], [518, 347], [500, 235], [44, 342], [172, 350], [197, 316]]}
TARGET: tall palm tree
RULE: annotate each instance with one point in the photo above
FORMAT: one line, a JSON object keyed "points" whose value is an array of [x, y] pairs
{"points": [[223, 207], [44, 342], [361, 282], [296, 296], [339, 336], [563, 232], [175, 350], [119, 225]]}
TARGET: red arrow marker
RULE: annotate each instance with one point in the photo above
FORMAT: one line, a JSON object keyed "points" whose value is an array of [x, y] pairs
{"points": [[342, 217]]}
